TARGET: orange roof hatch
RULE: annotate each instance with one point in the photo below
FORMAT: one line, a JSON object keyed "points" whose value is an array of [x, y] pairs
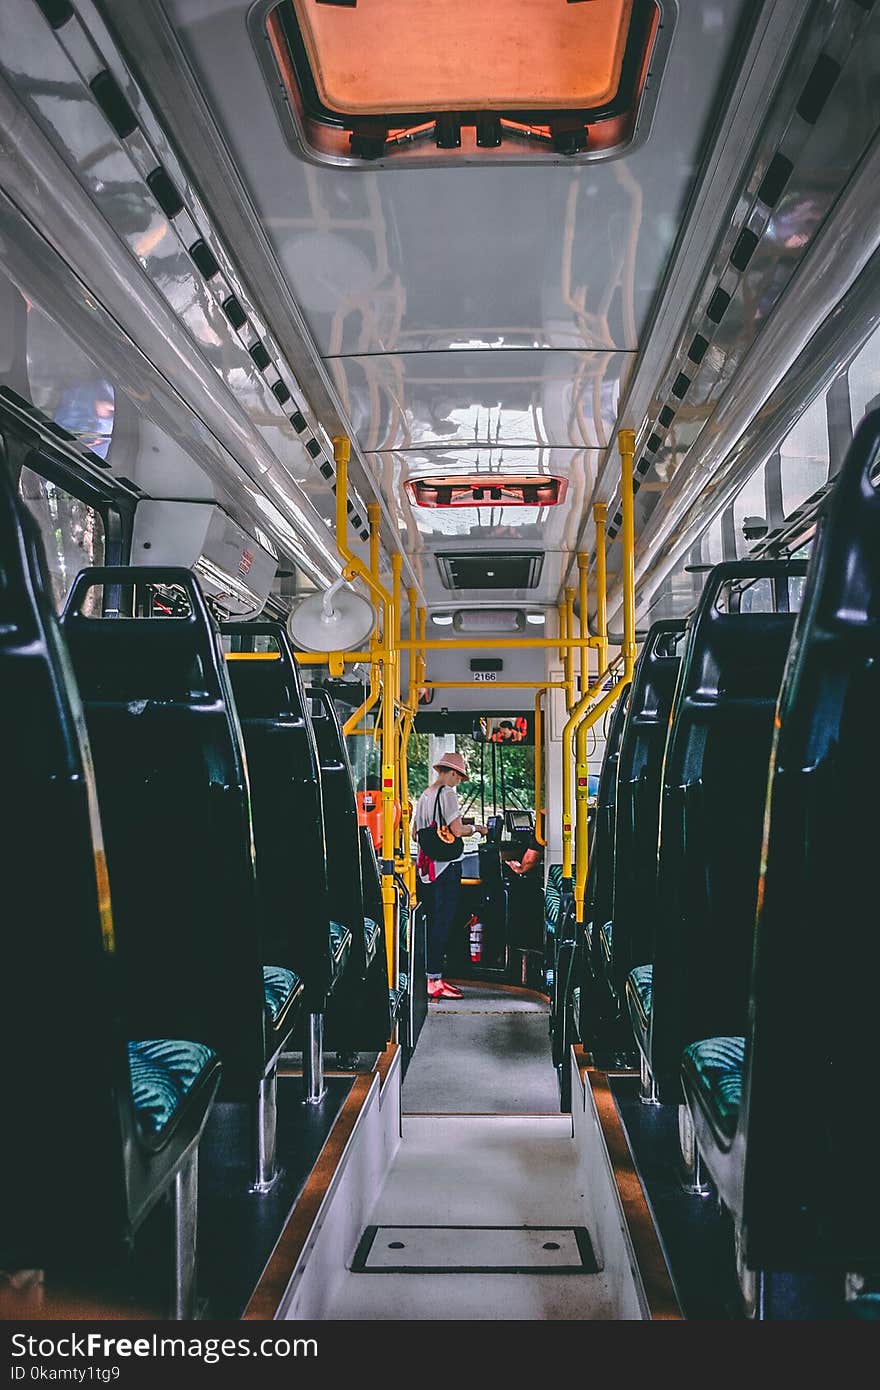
{"points": [[369, 79]]}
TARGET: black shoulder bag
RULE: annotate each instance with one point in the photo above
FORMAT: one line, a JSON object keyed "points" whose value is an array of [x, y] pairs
{"points": [[437, 840]]}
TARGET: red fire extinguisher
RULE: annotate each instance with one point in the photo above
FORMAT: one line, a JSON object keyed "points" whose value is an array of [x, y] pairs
{"points": [[476, 929]]}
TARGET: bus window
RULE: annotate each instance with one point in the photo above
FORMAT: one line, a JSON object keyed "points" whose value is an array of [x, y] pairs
{"points": [[72, 533]]}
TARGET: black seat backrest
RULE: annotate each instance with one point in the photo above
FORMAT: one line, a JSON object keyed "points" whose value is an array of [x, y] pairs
{"points": [[64, 1080], [599, 900], [810, 1064], [712, 812], [174, 801], [371, 882], [341, 829], [286, 803], [637, 817]]}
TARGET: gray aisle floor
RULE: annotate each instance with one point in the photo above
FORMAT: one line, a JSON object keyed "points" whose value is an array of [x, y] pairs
{"points": [[486, 1190], [495, 1177], [485, 1054]]}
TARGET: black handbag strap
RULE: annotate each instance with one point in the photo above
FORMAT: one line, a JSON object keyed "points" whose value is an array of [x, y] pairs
{"points": [[438, 809]]}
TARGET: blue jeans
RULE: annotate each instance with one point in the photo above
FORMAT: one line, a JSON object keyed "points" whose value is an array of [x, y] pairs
{"points": [[440, 901]]}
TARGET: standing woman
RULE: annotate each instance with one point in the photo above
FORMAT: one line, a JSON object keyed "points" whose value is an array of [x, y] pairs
{"points": [[440, 880]]}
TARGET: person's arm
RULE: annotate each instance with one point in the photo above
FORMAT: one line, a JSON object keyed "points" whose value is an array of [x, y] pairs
{"points": [[452, 813], [529, 860]]}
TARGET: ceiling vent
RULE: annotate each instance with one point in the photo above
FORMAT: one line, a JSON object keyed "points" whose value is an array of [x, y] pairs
{"points": [[486, 490], [491, 570]]}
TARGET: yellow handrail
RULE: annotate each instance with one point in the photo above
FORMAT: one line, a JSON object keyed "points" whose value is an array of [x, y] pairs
{"points": [[626, 442], [539, 832], [356, 569]]}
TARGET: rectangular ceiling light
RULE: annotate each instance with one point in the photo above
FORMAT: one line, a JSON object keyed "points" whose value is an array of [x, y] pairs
{"points": [[373, 79]]}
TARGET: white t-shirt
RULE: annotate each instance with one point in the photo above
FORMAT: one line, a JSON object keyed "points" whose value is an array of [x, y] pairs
{"points": [[425, 815]]}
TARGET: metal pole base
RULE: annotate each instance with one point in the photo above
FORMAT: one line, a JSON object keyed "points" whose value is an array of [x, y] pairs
{"points": [[692, 1176], [265, 1130], [313, 1062], [186, 1191], [647, 1084]]}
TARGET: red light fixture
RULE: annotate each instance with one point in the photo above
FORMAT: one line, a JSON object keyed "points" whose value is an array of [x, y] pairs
{"points": [[482, 490]]}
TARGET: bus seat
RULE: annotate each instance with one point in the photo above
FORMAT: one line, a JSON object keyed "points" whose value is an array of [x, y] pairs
{"points": [[288, 820], [628, 940], [99, 1133], [713, 1067], [358, 1013], [173, 789], [789, 1169], [595, 947], [711, 818], [287, 806], [376, 985]]}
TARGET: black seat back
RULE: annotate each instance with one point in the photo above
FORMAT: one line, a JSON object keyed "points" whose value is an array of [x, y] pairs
{"points": [[286, 803], [811, 1048], [64, 1082], [637, 816], [599, 899], [342, 833], [712, 811], [174, 801], [371, 882]]}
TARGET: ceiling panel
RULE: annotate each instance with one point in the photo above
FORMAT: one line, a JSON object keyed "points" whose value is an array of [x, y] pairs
{"points": [[510, 399], [566, 256]]}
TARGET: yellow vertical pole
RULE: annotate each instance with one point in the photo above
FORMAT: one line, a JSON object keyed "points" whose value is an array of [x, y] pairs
{"points": [[406, 728], [563, 629], [396, 568], [627, 444], [626, 440], [389, 774], [423, 660], [539, 751], [355, 568], [583, 566], [569, 651], [600, 512]]}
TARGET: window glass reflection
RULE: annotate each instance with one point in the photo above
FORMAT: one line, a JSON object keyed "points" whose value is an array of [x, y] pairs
{"points": [[72, 532]]}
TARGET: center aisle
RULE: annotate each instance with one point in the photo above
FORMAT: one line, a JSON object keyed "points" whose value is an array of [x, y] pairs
{"points": [[486, 1157], [487, 1053]]}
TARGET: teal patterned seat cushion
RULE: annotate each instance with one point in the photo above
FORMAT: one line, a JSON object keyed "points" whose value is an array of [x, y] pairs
{"points": [[278, 985], [395, 1000], [163, 1071], [338, 936], [640, 989], [714, 1067], [553, 898]]}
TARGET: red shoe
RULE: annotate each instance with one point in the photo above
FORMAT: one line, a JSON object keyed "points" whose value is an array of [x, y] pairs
{"points": [[441, 989]]}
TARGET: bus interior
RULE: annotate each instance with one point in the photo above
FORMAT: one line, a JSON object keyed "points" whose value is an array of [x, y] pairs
{"points": [[384, 384]]}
